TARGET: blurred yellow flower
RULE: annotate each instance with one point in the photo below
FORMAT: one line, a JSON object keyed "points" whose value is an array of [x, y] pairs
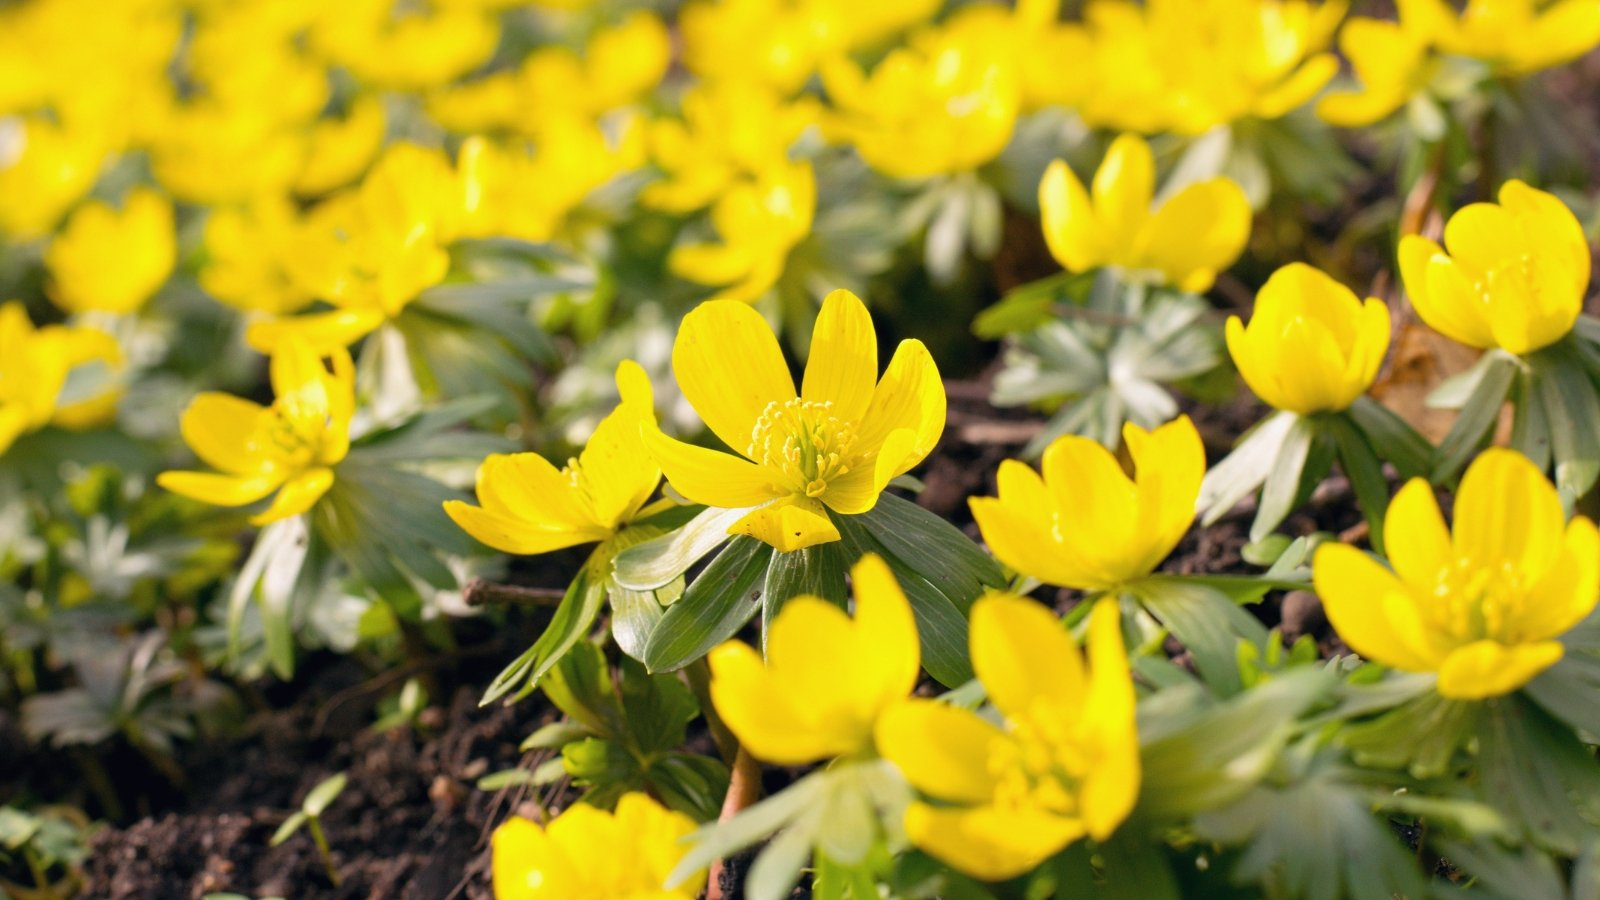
{"points": [[1514, 276], [759, 222], [1517, 36], [208, 152], [1391, 65], [337, 151], [1085, 524], [1064, 762], [405, 46], [827, 677], [1311, 345], [834, 446], [1191, 65], [289, 447], [945, 103], [730, 131], [1034, 38], [113, 260], [618, 66], [249, 254], [530, 506], [1483, 607], [44, 169], [590, 853], [57, 374], [1185, 242]]}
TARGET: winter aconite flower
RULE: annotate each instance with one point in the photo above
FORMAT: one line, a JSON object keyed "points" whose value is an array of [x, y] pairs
{"points": [[759, 222], [1311, 346], [944, 104], [1389, 59], [834, 445], [113, 260], [1063, 763], [827, 677], [1517, 36], [289, 447], [590, 853], [49, 375], [1513, 277], [1085, 524], [1484, 605], [529, 506], [1185, 241]]}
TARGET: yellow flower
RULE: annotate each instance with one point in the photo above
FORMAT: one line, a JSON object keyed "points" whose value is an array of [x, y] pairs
{"points": [[730, 130], [289, 447], [338, 150], [1311, 346], [1483, 607], [759, 221], [946, 103], [1518, 36], [44, 169], [1185, 241], [372, 249], [835, 445], [406, 46], [1065, 763], [618, 66], [110, 260], [249, 255], [590, 853], [827, 678], [1391, 63], [35, 368], [1514, 276], [1035, 38], [530, 506], [1190, 65], [1085, 524]]}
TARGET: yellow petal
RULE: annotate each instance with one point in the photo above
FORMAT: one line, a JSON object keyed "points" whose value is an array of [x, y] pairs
{"points": [[1355, 591], [526, 865], [1110, 787], [910, 395], [1014, 538], [221, 490], [709, 476], [616, 468], [1484, 669], [1169, 466], [1507, 515], [221, 429], [633, 386], [988, 842], [1123, 186], [1417, 539], [1569, 590], [1070, 229], [843, 366], [886, 630], [1441, 294], [297, 495], [1027, 662], [515, 536], [760, 714], [1198, 233], [729, 368], [527, 488], [323, 331], [1298, 88], [943, 751], [788, 525]]}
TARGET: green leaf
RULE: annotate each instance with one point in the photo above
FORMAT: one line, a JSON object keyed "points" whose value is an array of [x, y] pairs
{"points": [[505, 778], [323, 794], [1207, 622], [1420, 736], [1031, 305], [719, 840], [713, 608], [287, 829], [1572, 414], [1530, 426], [1199, 754], [553, 735], [818, 571], [1393, 439], [1568, 690], [1284, 478], [692, 784], [658, 561], [1555, 802], [1135, 868], [1365, 471], [573, 618], [1478, 416], [1246, 468]]}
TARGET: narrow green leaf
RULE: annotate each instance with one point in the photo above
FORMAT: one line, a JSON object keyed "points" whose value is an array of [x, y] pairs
{"points": [[1365, 471], [1208, 624], [324, 793], [1284, 478], [287, 829], [656, 562], [1394, 440], [1245, 469], [1572, 414], [713, 608], [1478, 416]]}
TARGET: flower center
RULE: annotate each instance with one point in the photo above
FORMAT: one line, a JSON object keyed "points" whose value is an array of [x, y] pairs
{"points": [[803, 441], [292, 439], [1036, 769], [1478, 602]]}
